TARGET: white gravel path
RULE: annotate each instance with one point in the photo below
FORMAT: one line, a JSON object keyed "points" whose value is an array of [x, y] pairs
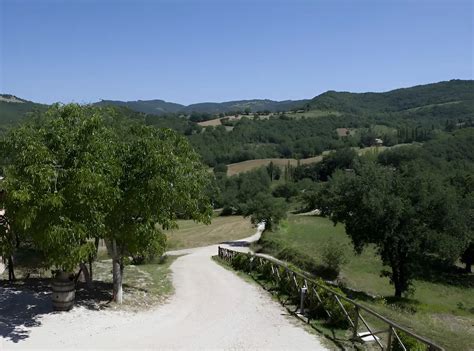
{"points": [[212, 308]]}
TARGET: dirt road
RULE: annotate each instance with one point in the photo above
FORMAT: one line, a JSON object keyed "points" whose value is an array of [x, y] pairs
{"points": [[212, 308]]}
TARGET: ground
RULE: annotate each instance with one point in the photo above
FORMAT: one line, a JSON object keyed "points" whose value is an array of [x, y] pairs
{"points": [[212, 308], [440, 308]]}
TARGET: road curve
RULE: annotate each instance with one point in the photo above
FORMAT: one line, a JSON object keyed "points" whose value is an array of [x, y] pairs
{"points": [[212, 308]]}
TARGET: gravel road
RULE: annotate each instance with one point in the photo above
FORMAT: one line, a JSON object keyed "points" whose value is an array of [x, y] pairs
{"points": [[212, 308]]}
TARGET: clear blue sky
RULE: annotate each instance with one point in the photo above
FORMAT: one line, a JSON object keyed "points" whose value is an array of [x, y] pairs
{"points": [[194, 51]]}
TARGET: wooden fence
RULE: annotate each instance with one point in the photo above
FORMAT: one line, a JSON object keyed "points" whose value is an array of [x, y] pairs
{"points": [[308, 288]]}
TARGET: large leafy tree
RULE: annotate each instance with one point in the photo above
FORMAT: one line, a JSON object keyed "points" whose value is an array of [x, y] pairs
{"points": [[60, 181], [405, 213], [161, 179]]}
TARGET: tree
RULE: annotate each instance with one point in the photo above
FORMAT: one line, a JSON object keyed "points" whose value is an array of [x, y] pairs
{"points": [[161, 179], [220, 168], [59, 182], [265, 208], [404, 213]]}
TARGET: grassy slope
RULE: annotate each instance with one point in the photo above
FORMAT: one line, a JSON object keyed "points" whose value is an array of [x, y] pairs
{"points": [[438, 315], [191, 234], [245, 166]]}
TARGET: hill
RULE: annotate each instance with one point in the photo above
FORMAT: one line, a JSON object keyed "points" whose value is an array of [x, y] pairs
{"points": [[13, 109], [154, 107], [160, 107], [405, 99]]}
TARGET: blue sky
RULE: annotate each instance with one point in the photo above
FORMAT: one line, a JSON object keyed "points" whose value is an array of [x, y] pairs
{"points": [[194, 51]]}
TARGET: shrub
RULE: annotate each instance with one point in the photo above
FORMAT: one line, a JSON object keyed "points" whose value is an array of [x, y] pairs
{"points": [[242, 262], [317, 310], [410, 343], [334, 256]]}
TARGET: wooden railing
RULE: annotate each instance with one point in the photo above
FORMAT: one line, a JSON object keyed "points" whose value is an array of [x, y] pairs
{"points": [[308, 288]]}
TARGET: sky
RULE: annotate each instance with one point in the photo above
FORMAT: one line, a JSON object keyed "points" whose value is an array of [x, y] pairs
{"points": [[189, 51]]}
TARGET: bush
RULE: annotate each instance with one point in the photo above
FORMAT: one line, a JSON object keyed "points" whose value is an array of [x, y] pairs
{"points": [[411, 344], [334, 256], [317, 310], [242, 262]]}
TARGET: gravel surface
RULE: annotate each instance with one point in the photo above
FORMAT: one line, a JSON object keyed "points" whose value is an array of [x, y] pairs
{"points": [[212, 308]]}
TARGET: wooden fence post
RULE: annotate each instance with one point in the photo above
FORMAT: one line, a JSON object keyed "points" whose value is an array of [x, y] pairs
{"points": [[356, 323]]}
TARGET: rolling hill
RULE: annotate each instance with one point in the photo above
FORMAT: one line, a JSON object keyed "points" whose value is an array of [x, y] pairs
{"points": [[13, 109], [398, 100], [160, 107]]}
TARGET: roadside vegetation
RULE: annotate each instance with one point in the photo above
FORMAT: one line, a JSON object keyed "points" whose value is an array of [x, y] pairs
{"points": [[439, 306]]}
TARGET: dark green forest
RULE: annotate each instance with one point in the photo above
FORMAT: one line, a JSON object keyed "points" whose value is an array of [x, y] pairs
{"points": [[418, 113]]}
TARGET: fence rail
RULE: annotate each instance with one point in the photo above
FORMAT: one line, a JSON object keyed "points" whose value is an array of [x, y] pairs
{"points": [[310, 289]]}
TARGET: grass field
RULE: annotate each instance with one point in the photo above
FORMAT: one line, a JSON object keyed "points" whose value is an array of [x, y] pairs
{"points": [[225, 228], [211, 122], [313, 114], [441, 311], [245, 166]]}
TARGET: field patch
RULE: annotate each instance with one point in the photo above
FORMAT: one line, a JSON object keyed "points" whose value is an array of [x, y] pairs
{"points": [[224, 228]]}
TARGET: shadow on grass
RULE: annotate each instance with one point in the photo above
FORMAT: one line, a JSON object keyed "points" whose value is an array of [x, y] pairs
{"points": [[434, 270]]}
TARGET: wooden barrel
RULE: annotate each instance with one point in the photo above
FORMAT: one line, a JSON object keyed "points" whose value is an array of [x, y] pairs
{"points": [[63, 294]]}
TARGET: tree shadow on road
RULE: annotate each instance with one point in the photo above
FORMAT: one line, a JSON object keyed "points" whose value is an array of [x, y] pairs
{"points": [[21, 306], [23, 303]]}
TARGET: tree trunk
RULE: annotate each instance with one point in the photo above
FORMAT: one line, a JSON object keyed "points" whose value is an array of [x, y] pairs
{"points": [[90, 269], [11, 272], [117, 270], [468, 267], [87, 276]]}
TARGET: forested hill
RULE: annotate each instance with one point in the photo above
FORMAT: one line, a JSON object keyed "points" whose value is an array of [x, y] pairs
{"points": [[160, 107], [155, 107], [420, 96], [13, 109]]}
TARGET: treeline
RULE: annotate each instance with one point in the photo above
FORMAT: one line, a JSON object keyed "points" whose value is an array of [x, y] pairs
{"points": [[414, 203]]}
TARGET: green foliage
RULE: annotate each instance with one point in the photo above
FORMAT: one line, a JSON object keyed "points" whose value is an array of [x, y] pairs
{"points": [[76, 173], [266, 208], [161, 180], [285, 190], [336, 316], [339, 159], [405, 213], [334, 256], [242, 262], [220, 168], [410, 343], [14, 110], [59, 181]]}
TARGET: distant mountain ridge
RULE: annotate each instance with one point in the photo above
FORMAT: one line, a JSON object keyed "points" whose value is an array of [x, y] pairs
{"points": [[13, 108], [159, 107], [397, 100], [454, 96]]}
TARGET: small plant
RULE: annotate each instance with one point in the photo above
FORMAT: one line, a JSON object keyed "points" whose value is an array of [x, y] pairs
{"points": [[410, 343], [242, 262], [334, 256]]}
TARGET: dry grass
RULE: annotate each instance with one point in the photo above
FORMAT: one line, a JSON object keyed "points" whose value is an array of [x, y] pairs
{"points": [[191, 234], [211, 122], [245, 166]]}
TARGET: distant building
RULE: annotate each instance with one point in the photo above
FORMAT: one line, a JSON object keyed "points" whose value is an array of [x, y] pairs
{"points": [[378, 142]]}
